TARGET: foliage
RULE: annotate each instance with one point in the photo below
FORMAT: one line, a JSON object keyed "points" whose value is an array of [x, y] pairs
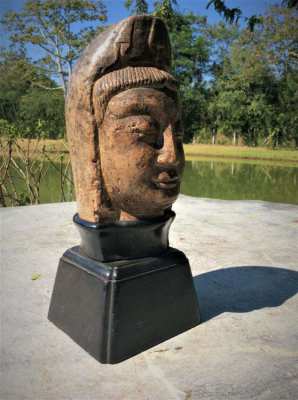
{"points": [[47, 109], [24, 103], [8, 129], [235, 82], [137, 6], [190, 59], [17, 76], [231, 14], [251, 95], [49, 25]]}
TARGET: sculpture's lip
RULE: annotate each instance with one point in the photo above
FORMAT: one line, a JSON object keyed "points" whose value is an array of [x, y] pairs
{"points": [[167, 183]]}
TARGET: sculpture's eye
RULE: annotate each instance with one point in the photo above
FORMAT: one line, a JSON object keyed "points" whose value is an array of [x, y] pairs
{"points": [[148, 131], [153, 139]]}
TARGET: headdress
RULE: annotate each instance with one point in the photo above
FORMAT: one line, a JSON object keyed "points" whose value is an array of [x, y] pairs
{"points": [[135, 52]]}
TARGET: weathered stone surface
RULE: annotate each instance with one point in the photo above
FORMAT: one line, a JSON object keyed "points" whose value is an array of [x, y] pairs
{"points": [[123, 124], [141, 152]]}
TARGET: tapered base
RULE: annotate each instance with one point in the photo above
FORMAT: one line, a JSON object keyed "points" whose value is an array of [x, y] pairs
{"points": [[115, 310]]}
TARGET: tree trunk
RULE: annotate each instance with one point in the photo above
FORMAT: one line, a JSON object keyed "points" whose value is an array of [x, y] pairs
{"points": [[62, 78], [60, 68], [213, 140], [234, 138]]}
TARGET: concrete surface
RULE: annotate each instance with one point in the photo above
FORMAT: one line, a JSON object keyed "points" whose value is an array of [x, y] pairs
{"points": [[243, 256]]}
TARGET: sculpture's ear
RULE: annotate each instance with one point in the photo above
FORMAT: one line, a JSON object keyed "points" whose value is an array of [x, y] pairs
{"points": [[136, 41]]}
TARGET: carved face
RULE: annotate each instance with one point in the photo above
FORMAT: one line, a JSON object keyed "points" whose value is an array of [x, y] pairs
{"points": [[141, 152]]}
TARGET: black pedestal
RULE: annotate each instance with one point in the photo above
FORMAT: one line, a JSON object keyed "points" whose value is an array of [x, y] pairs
{"points": [[117, 309]]}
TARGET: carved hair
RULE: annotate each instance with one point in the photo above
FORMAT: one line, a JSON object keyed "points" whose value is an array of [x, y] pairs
{"points": [[136, 52], [128, 78]]}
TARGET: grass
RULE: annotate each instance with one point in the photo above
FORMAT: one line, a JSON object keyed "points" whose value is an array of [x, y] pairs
{"points": [[192, 151], [240, 152], [36, 149], [51, 145]]}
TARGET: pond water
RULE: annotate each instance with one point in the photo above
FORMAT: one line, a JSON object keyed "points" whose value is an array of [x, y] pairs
{"points": [[210, 178], [241, 180]]}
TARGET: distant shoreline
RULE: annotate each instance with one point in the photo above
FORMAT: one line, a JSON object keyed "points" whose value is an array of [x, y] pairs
{"points": [[196, 156], [240, 153], [54, 148]]}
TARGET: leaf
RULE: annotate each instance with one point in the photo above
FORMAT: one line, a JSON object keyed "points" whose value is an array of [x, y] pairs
{"points": [[35, 276]]}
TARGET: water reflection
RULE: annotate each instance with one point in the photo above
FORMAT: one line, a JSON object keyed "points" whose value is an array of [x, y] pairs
{"points": [[218, 179], [55, 184], [234, 180]]}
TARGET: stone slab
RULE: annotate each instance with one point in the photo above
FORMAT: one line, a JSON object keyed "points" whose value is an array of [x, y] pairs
{"points": [[243, 256]]}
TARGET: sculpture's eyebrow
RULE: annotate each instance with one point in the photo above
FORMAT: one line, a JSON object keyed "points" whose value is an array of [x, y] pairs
{"points": [[141, 107], [133, 108]]}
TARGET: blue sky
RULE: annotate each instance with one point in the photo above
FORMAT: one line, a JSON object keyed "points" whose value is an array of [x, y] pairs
{"points": [[117, 11]]}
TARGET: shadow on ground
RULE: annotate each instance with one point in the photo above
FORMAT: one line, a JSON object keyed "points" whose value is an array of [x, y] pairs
{"points": [[243, 289]]}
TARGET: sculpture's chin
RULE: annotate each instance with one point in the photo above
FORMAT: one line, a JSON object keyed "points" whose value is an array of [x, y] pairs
{"points": [[145, 202], [148, 211], [125, 216]]}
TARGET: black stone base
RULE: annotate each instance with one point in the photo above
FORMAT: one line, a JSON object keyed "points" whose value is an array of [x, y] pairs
{"points": [[115, 310]]}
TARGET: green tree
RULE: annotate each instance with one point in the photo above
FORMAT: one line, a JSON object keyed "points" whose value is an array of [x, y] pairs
{"points": [[255, 80], [277, 40], [286, 109], [242, 95], [38, 107], [230, 107], [221, 36], [23, 99], [230, 14], [190, 52], [137, 6], [190, 62], [17, 76], [274, 44], [52, 25]]}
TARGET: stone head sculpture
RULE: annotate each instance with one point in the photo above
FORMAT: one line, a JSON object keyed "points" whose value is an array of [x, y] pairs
{"points": [[124, 124], [124, 289]]}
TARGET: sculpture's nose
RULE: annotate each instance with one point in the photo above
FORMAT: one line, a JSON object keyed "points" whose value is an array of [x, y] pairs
{"points": [[168, 153]]}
